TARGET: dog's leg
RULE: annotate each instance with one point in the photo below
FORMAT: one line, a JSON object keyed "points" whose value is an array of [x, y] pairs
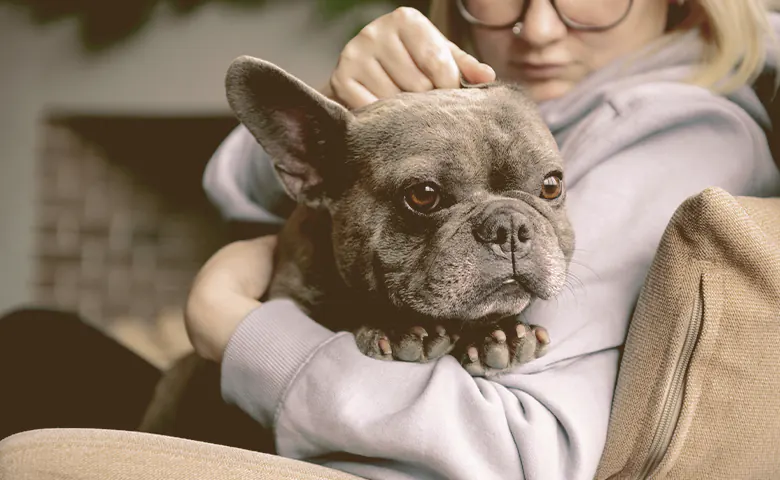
{"points": [[414, 345], [503, 347]]}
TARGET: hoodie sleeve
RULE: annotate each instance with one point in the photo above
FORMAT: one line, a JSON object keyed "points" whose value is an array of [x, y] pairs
{"points": [[241, 182], [433, 420], [547, 419]]}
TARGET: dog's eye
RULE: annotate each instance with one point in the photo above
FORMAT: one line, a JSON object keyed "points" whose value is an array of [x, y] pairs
{"points": [[423, 198], [552, 187]]}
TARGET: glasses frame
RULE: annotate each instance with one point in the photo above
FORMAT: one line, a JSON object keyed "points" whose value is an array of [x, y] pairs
{"points": [[471, 19]]}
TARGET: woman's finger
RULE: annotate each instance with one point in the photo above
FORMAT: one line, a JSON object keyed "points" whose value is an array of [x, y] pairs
{"points": [[429, 50], [376, 80], [472, 70], [402, 69], [349, 92]]}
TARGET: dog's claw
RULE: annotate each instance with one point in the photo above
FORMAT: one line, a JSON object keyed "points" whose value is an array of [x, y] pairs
{"points": [[521, 330], [441, 344], [384, 346], [498, 352], [473, 354], [418, 332], [542, 335], [414, 345]]}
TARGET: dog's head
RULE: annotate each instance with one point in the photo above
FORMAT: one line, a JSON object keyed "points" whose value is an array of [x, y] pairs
{"points": [[448, 203]]}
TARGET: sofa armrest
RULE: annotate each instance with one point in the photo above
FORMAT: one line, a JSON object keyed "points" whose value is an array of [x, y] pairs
{"points": [[697, 392], [91, 454]]}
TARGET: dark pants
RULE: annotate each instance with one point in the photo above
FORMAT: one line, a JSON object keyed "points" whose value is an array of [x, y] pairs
{"points": [[58, 372]]}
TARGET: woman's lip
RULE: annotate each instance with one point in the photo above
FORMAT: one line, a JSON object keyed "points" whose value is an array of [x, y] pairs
{"points": [[540, 70]]}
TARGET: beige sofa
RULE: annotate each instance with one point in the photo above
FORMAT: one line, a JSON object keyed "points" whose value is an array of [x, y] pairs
{"points": [[698, 394]]}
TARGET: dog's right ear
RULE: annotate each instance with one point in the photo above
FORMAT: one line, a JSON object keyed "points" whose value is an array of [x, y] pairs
{"points": [[302, 130]]}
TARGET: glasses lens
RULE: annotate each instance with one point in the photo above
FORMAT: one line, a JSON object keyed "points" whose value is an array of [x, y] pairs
{"points": [[493, 13], [576, 13], [593, 13]]}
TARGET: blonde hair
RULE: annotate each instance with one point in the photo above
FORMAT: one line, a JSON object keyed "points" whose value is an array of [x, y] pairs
{"points": [[736, 35]]}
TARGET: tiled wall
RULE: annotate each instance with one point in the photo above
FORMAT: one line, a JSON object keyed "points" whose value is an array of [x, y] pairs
{"points": [[123, 224]]}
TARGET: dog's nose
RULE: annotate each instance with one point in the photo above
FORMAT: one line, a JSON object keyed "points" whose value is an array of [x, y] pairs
{"points": [[506, 229]]}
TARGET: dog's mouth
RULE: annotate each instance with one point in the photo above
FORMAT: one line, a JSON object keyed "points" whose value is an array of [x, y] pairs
{"points": [[516, 280], [505, 297]]}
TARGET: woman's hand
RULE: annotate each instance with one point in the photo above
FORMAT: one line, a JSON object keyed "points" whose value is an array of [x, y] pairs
{"points": [[224, 292], [400, 52]]}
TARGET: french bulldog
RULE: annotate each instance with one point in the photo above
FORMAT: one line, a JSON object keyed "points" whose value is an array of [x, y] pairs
{"points": [[425, 222]]}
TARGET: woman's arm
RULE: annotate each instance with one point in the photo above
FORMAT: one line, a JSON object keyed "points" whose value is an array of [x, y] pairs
{"points": [[433, 420], [225, 291]]}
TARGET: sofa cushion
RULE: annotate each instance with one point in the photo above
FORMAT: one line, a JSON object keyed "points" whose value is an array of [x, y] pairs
{"points": [[89, 454], [698, 393]]}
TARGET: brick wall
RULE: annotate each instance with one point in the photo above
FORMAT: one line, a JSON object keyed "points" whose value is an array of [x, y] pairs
{"points": [[123, 224]]}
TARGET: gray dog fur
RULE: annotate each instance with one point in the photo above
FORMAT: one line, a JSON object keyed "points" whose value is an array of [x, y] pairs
{"points": [[355, 257]]}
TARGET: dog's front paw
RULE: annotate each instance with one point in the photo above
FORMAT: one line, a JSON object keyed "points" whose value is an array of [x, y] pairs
{"points": [[414, 345], [504, 348]]}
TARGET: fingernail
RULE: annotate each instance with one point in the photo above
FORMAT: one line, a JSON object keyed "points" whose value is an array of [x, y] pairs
{"points": [[419, 332], [521, 330], [384, 345], [499, 336], [542, 336], [473, 354]]}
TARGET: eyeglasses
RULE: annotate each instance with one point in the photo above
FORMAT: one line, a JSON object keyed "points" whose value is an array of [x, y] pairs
{"points": [[587, 15]]}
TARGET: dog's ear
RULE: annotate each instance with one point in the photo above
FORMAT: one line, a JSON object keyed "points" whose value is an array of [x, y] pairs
{"points": [[302, 130]]}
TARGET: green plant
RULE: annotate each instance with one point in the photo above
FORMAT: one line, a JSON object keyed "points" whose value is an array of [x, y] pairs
{"points": [[104, 23]]}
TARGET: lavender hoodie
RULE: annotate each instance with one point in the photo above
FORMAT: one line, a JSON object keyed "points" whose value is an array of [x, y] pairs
{"points": [[636, 143]]}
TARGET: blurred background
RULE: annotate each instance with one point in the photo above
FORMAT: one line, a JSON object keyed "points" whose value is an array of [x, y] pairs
{"points": [[109, 112]]}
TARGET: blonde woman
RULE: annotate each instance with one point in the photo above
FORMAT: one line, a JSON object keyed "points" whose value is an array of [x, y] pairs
{"points": [[650, 102]]}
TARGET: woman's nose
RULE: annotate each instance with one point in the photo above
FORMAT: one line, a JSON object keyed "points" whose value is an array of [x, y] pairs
{"points": [[542, 25]]}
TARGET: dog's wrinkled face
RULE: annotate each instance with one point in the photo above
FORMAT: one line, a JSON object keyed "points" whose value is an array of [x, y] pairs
{"points": [[449, 203]]}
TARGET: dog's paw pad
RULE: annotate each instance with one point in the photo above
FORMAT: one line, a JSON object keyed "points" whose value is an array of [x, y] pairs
{"points": [[498, 352], [472, 363], [413, 345], [440, 344], [373, 343], [410, 346]]}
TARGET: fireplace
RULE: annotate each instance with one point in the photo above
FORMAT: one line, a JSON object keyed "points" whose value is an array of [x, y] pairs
{"points": [[123, 224]]}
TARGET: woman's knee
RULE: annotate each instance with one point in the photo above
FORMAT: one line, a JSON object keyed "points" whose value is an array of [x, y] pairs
{"points": [[40, 323]]}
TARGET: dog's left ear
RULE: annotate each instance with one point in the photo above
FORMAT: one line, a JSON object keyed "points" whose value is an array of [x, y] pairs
{"points": [[302, 130]]}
